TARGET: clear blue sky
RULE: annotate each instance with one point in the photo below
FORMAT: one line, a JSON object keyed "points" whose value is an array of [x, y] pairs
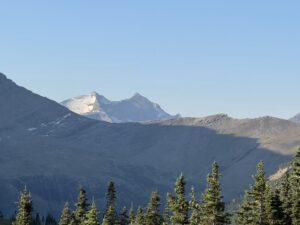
{"points": [[193, 57]]}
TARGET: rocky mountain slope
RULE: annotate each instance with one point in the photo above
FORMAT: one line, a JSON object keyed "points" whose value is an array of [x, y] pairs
{"points": [[135, 109], [53, 151], [296, 118]]}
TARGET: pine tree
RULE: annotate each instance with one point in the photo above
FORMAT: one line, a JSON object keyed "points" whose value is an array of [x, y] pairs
{"points": [[92, 216], [110, 217], [167, 210], [245, 215], [274, 207], [50, 220], [139, 218], [124, 218], [253, 209], [286, 199], [66, 216], [153, 216], [195, 208], [178, 203], [37, 220], [110, 195], [24, 215], [131, 215], [73, 219], [295, 189], [81, 207], [213, 207]]}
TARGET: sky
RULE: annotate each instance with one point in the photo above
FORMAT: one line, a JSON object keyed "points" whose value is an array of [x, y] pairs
{"points": [[195, 58]]}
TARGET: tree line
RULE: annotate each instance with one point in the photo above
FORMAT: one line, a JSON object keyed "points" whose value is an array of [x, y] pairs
{"points": [[261, 204]]}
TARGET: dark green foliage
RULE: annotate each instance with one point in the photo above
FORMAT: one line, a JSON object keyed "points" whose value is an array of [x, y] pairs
{"points": [[50, 220], [92, 216], [286, 199], [124, 218], [139, 218], [73, 220], [24, 215], [167, 210], [110, 217], [37, 220], [295, 189], [254, 207], [81, 207], [246, 215], [274, 208], [213, 207], [110, 195], [131, 215], [195, 208], [178, 204], [153, 216], [261, 205], [66, 215]]}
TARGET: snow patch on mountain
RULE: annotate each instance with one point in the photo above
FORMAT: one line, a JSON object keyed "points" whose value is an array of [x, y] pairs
{"points": [[135, 109]]}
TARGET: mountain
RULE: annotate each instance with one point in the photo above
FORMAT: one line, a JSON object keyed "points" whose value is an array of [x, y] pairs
{"points": [[135, 109], [53, 151], [296, 118]]}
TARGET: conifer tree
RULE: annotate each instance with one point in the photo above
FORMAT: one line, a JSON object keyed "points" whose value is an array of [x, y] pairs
{"points": [[286, 199], [81, 206], [131, 215], [167, 210], [110, 217], [245, 215], [274, 207], [124, 218], [213, 207], [153, 216], [295, 189], [92, 216], [50, 220], [73, 219], [37, 220], [110, 195], [139, 218], [24, 214], [178, 203], [253, 209], [195, 208], [66, 215]]}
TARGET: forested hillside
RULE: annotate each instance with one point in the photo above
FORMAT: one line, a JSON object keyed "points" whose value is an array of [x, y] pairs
{"points": [[262, 204], [54, 151]]}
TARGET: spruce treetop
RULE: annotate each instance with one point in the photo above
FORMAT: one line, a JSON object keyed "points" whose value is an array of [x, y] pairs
{"points": [[24, 214]]}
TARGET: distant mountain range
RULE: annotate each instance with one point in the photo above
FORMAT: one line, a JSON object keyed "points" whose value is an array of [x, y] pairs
{"points": [[53, 151], [135, 109]]}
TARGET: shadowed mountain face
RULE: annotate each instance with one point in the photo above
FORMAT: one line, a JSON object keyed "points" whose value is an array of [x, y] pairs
{"points": [[135, 109], [53, 151]]}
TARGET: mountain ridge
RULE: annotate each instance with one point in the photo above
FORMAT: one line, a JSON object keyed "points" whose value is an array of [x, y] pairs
{"points": [[53, 151], [295, 118], [134, 109]]}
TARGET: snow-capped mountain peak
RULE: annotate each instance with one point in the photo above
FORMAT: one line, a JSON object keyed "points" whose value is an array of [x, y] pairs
{"points": [[135, 109]]}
